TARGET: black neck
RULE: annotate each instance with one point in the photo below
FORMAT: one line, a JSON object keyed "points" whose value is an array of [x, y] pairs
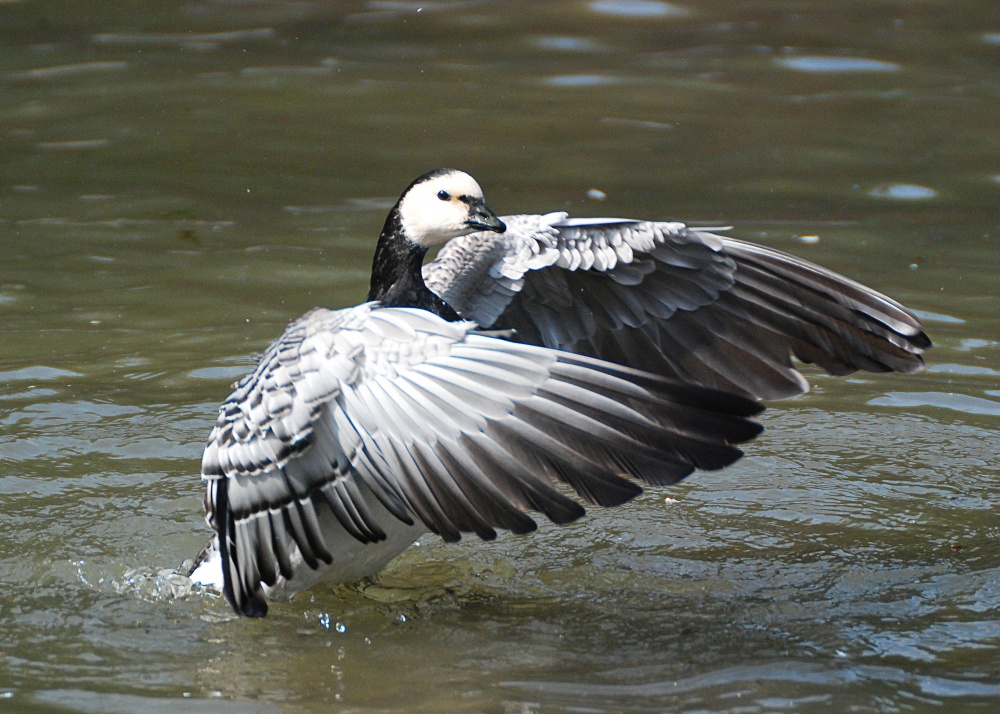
{"points": [[396, 277]]}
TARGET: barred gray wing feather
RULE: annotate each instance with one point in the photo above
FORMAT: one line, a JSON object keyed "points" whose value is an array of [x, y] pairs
{"points": [[442, 427], [681, 302]]}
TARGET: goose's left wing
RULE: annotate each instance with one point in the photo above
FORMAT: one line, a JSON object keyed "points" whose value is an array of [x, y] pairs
{"points": [[439, 425]]}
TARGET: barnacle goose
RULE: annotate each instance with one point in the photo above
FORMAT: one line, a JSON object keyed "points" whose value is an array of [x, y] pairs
{"points": [[361, 429], [674, 300]]}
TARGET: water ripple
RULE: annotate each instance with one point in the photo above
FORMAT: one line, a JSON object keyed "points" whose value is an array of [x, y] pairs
{"points": [[182, 38], [564, 43], [79, 700], [903, 192], [925, 645], [818, 63], [941, 400], [579, 80], [791, 672], [37, 373], [639, 8], [68, 70]]}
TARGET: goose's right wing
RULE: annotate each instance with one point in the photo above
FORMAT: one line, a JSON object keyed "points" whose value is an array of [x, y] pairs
{"points": [[461, 431], [673, 300]]}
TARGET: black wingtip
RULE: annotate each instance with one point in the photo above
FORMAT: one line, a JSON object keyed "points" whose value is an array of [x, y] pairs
{"points": [[254, 605], [746, 431]]}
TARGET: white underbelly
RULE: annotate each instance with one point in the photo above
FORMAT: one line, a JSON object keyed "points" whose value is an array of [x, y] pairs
{"points": [[351, 561]]}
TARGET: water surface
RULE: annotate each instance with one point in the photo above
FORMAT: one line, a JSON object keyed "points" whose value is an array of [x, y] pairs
{"points": [[179, 180]]}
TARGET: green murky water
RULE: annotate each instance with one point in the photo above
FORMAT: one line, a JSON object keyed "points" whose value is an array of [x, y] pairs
{"points": [[180, 179]]}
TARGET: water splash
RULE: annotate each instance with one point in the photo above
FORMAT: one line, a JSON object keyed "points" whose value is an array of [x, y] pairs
{"points": [[142, 583], [147, 584]]}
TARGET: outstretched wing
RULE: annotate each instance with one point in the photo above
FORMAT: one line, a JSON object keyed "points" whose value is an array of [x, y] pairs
{"points": [[457, 430], [677, 301]]}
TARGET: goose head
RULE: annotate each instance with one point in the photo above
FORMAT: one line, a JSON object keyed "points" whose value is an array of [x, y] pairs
{"points": [[442, 205]]}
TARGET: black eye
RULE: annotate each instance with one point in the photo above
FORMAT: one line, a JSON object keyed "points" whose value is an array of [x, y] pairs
{"points": [[444, 195]]}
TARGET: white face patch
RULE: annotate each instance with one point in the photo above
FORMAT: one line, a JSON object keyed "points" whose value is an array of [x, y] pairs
{"points": [[432, 212]]}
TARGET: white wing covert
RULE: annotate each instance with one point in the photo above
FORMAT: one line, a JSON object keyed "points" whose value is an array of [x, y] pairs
{"points": [[676, 301], [456, 430]]}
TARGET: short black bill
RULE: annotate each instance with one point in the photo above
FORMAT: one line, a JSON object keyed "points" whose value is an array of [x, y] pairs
{"points": [[483, 219]]}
